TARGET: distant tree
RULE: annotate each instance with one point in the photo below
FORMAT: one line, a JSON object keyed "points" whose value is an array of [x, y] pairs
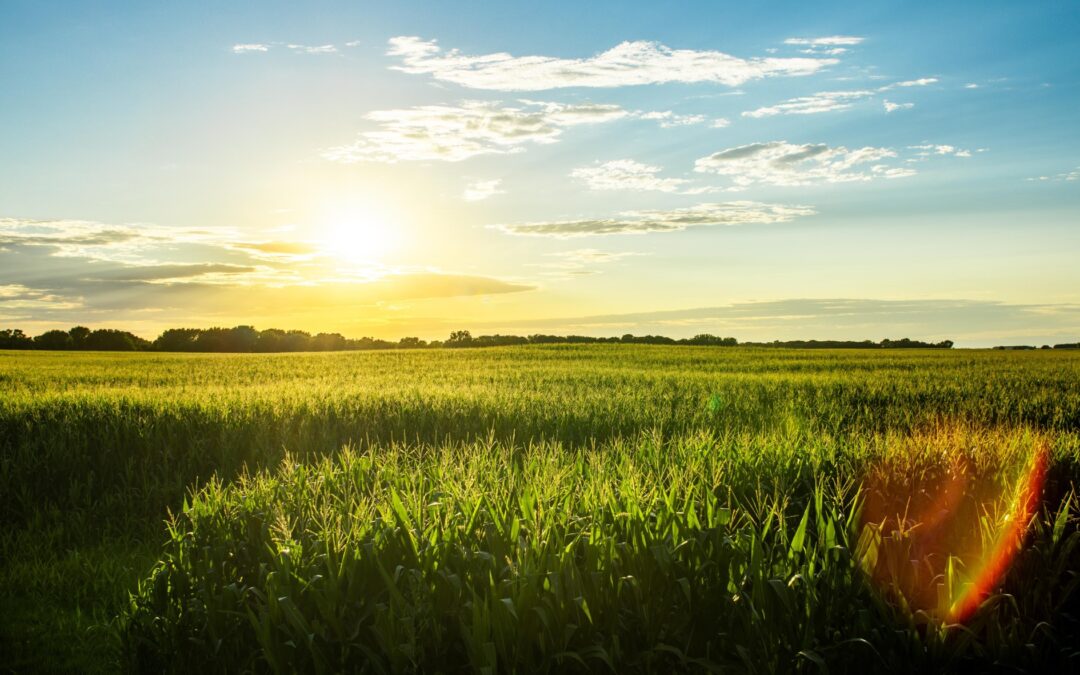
{"points": [[79, 334], [107, 339], [498, 340], [15, 339], [329, 342], [708, 340], [297, 341], [243, 339], [53, 339], [214, 339], [459, 338], [411, 343], [270, 340], [177, 340]]}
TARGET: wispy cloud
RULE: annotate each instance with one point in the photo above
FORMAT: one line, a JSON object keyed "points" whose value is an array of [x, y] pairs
{"points": [[971, 322], [252, 47], [928, 149], [828, 101], [668, 119], [580, 262], [480, 190], [783, 163], [672, 220], [454, 133], [893, 107], [54, 267], [14, 297], [626, 64], [592, 255], [824, 101], [921, 82], [829, 41], [312, 49], [626, 174], [262, 47], [1067, 176], [833, 45]]}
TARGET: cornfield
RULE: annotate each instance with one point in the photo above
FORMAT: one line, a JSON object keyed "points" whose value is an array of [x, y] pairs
{"points": [[596, 508]]}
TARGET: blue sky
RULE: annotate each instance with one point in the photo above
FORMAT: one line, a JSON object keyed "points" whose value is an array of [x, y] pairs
{"points": [[796, 170]]}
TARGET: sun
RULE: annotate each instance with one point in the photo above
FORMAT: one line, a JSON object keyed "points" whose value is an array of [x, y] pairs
{"points": [[358, 234]]}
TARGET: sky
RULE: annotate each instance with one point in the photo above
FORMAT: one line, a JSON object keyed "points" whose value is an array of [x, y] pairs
{"points": [[756, 170]]}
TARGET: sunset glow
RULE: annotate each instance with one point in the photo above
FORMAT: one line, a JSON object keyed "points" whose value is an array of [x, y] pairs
{"points": [[764, 173]]}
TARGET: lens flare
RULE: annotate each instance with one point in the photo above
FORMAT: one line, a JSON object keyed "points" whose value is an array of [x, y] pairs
{"points": [[938, 537], [996, 563]]}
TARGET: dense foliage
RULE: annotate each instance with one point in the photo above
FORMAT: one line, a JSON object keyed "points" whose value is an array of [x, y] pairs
{"points": [[539, 508]]}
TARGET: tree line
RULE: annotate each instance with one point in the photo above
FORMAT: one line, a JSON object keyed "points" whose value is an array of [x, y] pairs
{"points": [[248, 339]]}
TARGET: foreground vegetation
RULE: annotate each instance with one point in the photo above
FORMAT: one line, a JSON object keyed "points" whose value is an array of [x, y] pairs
{"points": [[595, 508]]}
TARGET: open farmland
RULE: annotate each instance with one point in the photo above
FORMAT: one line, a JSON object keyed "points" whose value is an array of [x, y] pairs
{"points": [[599, 508]]}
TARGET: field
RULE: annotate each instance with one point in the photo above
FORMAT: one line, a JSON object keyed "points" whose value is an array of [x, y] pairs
{"points": [[597, 508]]}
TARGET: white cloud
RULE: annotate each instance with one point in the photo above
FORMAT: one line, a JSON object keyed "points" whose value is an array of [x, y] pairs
{"points": [[669, 119], [830, 41], [893, 107], [971, 85], [318, 49], [808, 105], [482, 189], [783, 163], [257, 47], [928, 149], [828, 101], [626, 174], [673, 220], [626, 64], [454, 133], [249, 48], [720, 123], [1068, 176], [353, 43], [886, 171], [830, 51], [921, 82]]}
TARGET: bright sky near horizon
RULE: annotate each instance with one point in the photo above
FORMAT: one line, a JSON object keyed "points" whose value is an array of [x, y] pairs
{"points": [[789, 170]]}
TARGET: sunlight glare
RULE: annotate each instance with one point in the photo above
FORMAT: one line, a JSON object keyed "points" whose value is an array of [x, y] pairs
{"points": [[358, 234]]}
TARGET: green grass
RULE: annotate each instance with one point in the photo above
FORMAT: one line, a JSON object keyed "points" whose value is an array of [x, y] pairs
{"points": [[593, 508]]}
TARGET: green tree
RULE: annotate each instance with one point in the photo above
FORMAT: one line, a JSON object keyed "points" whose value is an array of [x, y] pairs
{"points": [[53, 339], [79, 334]]}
